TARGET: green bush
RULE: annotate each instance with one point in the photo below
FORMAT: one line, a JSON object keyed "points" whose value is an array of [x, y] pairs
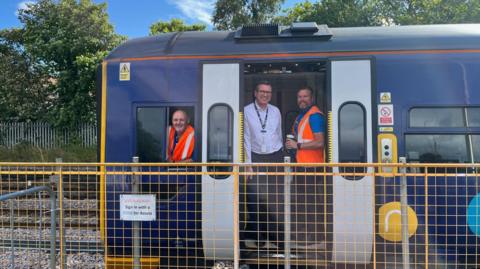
{"points": [[25, 152]]}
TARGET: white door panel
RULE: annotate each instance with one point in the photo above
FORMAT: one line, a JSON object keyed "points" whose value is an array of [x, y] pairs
{"points": [[353, 200], [220, 86]]}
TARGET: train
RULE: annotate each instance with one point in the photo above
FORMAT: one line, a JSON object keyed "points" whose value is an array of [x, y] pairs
{"points": [[388, 92]]}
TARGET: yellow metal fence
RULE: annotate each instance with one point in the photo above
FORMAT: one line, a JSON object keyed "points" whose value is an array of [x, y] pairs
{"points": [[122, 215]]}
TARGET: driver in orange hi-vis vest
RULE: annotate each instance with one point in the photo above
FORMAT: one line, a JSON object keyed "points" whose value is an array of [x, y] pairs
{"points": [[181, 138]]}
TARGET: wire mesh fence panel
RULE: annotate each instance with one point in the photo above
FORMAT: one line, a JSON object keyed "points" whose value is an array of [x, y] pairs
{"points": [[242, 216], [77, 242], [28, 237]]}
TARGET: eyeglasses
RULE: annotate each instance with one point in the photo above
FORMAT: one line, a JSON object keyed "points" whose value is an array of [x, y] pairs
{"points": [[265, 92]]}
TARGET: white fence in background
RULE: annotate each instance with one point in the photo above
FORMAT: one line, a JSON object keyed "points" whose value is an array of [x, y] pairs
{"points": [[43, 135]]}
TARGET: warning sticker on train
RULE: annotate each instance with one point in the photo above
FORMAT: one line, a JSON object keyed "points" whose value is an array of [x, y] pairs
{"points": [[385, 114], [385, 97], [124, 71]]}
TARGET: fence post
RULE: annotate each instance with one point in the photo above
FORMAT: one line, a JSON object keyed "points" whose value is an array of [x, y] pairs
{"points": [[136, 223], [236, 214], [287, 220], [61, 232], [404, 214], [12, 247]]}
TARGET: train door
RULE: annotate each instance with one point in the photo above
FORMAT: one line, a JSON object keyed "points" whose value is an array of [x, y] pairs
{"points": [[174, 192], [308, 230], [351, 138], [220, 122]]}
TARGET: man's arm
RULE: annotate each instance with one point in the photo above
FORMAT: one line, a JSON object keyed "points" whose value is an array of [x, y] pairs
{"points": [[246, 140], [279, 126], [316, 143]]}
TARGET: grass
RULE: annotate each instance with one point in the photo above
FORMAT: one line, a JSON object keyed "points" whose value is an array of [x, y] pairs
{"points": [[25, 152]]}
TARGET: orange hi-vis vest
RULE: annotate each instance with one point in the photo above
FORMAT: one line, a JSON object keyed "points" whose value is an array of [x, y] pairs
{"points": [[304, 135], [184, 148]]}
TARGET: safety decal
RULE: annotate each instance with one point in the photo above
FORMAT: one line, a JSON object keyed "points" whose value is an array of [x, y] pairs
{"points": [[385, 115], [385, 97], [124, 71], [390, 222]]}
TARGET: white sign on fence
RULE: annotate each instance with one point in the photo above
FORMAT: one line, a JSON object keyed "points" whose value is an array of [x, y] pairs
{"points": [[140, 207]]}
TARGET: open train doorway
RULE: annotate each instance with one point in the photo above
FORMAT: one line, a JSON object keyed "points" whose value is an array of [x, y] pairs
{"points": [[286, 79], [263, 199]]}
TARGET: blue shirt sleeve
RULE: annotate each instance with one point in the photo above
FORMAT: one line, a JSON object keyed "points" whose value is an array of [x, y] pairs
{"points": [[317, 123]]}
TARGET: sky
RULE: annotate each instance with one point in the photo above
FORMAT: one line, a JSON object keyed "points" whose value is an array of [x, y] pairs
{"points": [[134, 17]]}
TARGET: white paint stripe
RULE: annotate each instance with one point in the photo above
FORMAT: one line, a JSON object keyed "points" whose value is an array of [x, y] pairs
{"points": [[187, 145], [168, 143], [387, 217], [300, 132]]}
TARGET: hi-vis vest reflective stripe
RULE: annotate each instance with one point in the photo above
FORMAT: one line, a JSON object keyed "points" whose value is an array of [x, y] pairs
{"points": [[184, 148], [304, 135]]}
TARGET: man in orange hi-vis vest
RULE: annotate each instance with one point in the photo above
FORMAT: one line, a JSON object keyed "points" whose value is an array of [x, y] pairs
{"points": [[181, 138], [308, 130], [307, 193]]}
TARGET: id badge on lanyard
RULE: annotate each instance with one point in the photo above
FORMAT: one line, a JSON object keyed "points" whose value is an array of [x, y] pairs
{"points": [[263, 133]]}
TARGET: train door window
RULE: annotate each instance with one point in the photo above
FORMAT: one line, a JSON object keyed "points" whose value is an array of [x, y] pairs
{"points": [[473, 115], [437, 117], [151, 124], [220, 138], [352, 137]]}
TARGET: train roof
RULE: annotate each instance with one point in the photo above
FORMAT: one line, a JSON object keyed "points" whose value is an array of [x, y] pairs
{"points": [[353, 39]]}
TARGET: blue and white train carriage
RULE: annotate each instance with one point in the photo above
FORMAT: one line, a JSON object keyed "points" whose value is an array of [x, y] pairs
{"points": [[410, 91]]}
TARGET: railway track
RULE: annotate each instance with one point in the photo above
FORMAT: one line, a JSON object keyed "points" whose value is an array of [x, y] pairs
{"points": [[75, 186], [80, 214], [70, 246]]}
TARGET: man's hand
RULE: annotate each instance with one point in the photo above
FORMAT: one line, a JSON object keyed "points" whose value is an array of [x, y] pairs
{"points": [[249, 169], [291, 144]]}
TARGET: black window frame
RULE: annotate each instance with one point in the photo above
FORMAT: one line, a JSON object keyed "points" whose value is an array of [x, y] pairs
{"points": [[219, 169], [347, 169]]}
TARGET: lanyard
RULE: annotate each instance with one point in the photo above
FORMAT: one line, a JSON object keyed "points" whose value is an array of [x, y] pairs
{"points": [[264, 123], [175, 141]]}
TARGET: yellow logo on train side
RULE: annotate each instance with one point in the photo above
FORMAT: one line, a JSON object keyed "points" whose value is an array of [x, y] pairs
{"points": [[390, 222]]}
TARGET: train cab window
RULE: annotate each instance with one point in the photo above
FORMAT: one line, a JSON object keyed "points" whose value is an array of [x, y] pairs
{"points": [[151, 124], [437, 117], [473, 115], [352, 138], [220, 138], [151, 131]]}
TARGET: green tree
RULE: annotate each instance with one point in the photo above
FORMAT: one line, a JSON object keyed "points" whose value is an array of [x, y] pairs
{"points": [[335, 13], [345, 13], [432, 11], [174, 25], [24, 87], [68, 38], [231, 14]]}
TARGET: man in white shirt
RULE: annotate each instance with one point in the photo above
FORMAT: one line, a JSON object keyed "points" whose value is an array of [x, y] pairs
{"points": [[263, 128], [263, 144]]}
